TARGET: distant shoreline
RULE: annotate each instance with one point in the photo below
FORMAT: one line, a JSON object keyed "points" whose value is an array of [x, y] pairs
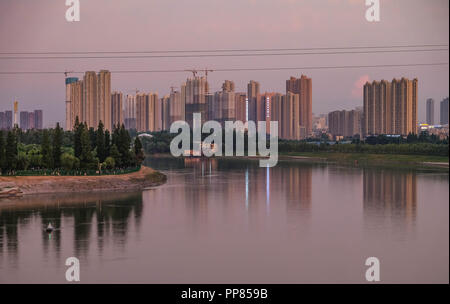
{"points": [[27, 185], [373, 160]]}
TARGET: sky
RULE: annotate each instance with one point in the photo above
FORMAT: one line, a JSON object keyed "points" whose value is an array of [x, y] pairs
{"points": [[146, 25]]}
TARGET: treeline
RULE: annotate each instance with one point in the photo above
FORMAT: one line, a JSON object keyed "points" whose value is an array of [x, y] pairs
{"points": [[404, 148], [82, 149], [422, 144]]}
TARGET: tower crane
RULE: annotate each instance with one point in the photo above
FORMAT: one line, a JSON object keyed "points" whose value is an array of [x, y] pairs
{"points": [[193, 71]]}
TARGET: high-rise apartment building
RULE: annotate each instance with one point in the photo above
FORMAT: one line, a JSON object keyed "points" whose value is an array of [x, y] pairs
{"points": [[390, 107], [240, 105], [176, 108], [70, 111], [165, 116], [38, 119], [444, 111], [344, 123], [195, 90], [104, 99], [130, 112], [303, 87], [2, 121], [31, 123], [148, 112], [430, 111], [89, 99], [24, 120], [8, 120], [116, 109], [253, 106], [16, 110], [222, 105]]}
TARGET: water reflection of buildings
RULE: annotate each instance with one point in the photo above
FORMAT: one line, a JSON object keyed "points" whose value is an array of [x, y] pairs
{"points": [[390, 194], [95, 216]]}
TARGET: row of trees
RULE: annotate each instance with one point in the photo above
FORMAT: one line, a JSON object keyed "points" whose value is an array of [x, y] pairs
{"points": [[87, 149]]}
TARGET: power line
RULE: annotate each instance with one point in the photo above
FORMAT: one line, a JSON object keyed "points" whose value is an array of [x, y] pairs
{"points": [[222, 50], [237, 69], [216, 55]]}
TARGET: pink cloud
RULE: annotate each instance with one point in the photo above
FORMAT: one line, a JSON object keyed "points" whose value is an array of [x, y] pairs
{"points": [[358, 85]]}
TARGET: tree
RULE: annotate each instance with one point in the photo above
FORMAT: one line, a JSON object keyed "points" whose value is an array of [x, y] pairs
{"points": [[124, 142], [77, 129], [86, 158], [115, 154], [11, 151], [23, 161], [46, 151], [69, 161], [138, 152], [110, 162], [107, 142], [101, 149], [2, 153], [57, 142], [93, 138]]}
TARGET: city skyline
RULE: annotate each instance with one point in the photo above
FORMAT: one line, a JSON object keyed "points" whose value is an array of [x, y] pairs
{"points": [[294, 24]]}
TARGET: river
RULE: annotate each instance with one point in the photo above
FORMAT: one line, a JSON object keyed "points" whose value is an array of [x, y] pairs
{"points": [[230, 221]]}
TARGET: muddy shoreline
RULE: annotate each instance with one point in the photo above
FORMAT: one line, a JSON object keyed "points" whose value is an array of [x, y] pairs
{"points": [[27, 185]]}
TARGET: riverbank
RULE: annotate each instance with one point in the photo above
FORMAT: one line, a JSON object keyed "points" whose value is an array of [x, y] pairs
{"points": [[26, 185], [429, 161], [360, 159]]}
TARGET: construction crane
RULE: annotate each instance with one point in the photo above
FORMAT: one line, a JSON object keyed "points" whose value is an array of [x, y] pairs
{"points": [[193, 71], [206, 76], [136, 91], [67, 72], [172, 89]]}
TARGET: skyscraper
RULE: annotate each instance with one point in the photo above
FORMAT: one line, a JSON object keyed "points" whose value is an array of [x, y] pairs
{"points": [[24, 120], [303, 87], [390, 107], [148, 112], [116, 109], [253, 100], [89, 99], [222, 107], [444, 111], [344, 123], [196, 89], [31, 124], [104, 99], [2, 121], [16, 110], [176, 108], [165, 109], [430, 111], [130, 112], [240, 106], [69, 104], [38, 119], [8, 120]]}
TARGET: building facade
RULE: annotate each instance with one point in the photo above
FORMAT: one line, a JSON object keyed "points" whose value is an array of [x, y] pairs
{"points": [[444, 111], [430, 111], [303, 87], [390, 107]]}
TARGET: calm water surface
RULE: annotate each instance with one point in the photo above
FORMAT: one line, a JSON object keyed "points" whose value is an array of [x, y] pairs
{"points": [[222, 221]]}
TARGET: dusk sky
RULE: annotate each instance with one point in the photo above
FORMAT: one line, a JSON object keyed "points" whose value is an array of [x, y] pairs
{"points": [[146, 25]]}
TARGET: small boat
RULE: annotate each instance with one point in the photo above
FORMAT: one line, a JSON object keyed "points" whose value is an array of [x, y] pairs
{"points": [[49, 228]]}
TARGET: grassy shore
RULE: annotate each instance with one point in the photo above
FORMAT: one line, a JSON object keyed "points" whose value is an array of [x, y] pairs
{"points": [[144, 178], [371, 159]]}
